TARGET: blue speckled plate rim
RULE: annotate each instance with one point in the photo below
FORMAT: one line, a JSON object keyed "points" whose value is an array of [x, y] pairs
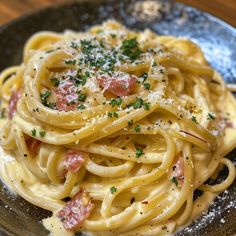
{"points": [[226, 25]]}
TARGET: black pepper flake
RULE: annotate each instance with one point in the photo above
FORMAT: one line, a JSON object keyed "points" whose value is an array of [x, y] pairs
{"points": [[164, 227], [132, 200]]}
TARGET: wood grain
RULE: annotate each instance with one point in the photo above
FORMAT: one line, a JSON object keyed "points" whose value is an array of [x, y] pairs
{"points": [[10, 9]]}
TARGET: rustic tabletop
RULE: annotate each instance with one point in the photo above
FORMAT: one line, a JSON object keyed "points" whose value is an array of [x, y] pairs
{"points": [[10, 9]]}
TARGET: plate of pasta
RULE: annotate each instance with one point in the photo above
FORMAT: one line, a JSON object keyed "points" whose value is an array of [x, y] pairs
{"points": [[118, 118]]}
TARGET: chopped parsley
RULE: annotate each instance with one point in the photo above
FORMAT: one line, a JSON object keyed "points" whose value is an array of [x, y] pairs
{"points": [[113, 189], [112, 114], [55, 82], [101, 42], [81, 107], [194, 119], [130, 49], [82, 97], [106, 59], [74, 45], [42, 133], [109, 114], [146, 106], [139, 152], [81, 79], [44, 96], [210, 116], [175, 181], [70, 62], [137, 104], [113, 36], [147, 86], [33, 132], [137, 128], [154, 64], [86, 46], [130, 123], [116, 101]]}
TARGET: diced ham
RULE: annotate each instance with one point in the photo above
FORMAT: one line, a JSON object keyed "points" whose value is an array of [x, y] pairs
{"points": [[178, 170], [66, 96], [15, 96], [33, 146], [122, 86], [74, 160], [76, 210]]}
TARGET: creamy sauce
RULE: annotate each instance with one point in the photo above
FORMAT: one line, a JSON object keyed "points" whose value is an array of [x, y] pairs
{"points": [[54, 225], [6, 158]]}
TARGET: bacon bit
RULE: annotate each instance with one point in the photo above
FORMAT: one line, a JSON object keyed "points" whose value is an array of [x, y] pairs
{"points": [[183, 131], [118, 86], [15, 96], [33, 146], [178, 170], [66, 96], [74, 160], [76, 210], [145, 202], [223, 123]]}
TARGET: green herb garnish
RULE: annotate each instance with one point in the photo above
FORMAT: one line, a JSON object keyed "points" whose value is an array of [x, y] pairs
{"points": [[82, 97], [115, 114], [194, 119], [130, 123], [33, 132], [137, 128], [139, 152], [55, 82], [113, 189], [147, 86], [210, 116], [154, 64], [113, 36], [86, 46], [130, 49], [116, 102], [137, 104], [81, 79], [146, 106], [44, 96], [81, 107], [42, 133], [74, 45], [70, 62], [112, 114], [175, 181]]}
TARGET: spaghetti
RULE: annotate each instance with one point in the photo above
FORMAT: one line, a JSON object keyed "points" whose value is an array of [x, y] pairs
{"points": [[113, 130]]}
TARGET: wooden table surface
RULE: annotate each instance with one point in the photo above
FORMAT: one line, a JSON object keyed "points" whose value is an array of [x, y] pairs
{"points": [[10, 9]]}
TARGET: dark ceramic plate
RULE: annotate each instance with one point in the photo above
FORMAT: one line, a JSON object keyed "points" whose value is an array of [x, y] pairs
{"points": [[217, 39]]}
